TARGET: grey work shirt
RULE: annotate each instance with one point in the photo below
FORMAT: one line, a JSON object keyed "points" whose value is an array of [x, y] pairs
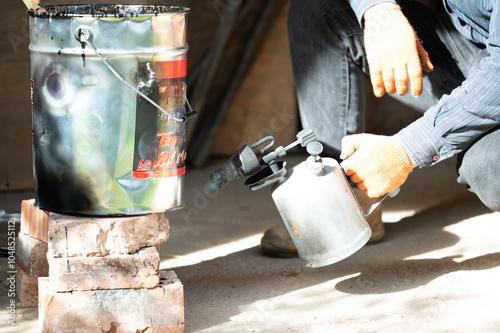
{"points": [[471, 109]]}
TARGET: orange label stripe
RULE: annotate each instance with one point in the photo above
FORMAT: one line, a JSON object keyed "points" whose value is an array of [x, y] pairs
{"points": [[172, 69]]}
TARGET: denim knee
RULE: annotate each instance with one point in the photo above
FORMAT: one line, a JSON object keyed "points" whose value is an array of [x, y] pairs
{"points": [[318, 16], [479, 169]]}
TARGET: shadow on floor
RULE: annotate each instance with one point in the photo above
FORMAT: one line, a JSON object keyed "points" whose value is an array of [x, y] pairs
{"points": [[226, 284]]}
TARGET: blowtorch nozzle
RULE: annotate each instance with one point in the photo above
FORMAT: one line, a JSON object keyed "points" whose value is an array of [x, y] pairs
{"points": [[243, 162], [211, 186]]}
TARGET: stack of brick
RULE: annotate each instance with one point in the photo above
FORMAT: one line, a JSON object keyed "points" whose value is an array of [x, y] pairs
{"points": [[103, 276], [31, 252]]}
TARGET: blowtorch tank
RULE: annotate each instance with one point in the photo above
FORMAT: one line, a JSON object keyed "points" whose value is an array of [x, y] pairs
{"points": [[320, 212]]}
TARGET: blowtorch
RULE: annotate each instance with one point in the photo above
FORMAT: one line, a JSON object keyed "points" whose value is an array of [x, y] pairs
{"points": [[314, 198]]}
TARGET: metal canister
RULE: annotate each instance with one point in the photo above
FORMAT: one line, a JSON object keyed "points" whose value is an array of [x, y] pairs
{"points": [[321, 212], [109, 96]]}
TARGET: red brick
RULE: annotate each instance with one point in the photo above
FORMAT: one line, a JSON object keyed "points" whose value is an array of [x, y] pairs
{"points": [[31, 255], [34, 221], [26, 288], [139, 270], [71, 236], [159, 309]]}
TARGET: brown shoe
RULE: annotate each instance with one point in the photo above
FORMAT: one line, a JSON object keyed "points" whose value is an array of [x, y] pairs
{"points": [[277, 241]]}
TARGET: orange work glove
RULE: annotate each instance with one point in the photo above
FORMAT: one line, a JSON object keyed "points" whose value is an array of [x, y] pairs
{"points": [[394, 52], [377, 164]]}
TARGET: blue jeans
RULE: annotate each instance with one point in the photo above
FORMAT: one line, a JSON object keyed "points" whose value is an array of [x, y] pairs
{"points": [[329, 62]]}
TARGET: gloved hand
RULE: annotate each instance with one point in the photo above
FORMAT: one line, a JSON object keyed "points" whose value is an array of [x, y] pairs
{"points": [[377, 164], [394, 52]]}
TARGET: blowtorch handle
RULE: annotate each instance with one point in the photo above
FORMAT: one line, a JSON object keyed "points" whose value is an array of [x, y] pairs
{"points": [[377, 202]]}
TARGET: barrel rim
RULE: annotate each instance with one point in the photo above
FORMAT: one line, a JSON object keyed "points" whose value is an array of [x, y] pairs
{"points": [[64, 11]]}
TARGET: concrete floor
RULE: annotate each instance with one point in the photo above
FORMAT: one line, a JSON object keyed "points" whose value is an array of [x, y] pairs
{"points": [[436, 270]]}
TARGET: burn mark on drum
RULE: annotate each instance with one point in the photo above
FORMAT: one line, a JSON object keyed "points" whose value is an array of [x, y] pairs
{"points": [[106, 10]]}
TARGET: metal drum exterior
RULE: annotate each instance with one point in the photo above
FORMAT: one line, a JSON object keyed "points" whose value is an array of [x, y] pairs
{"points": [[99, 148]]}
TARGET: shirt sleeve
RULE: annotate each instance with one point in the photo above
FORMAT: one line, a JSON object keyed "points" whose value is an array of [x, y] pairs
{"points": [[471, 110], [360, 6]]}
